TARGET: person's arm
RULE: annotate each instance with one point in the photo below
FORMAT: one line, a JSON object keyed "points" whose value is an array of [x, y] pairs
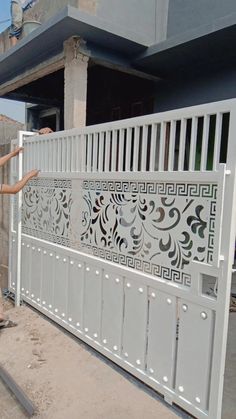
{"points": [[5, 159], [13, 189]]}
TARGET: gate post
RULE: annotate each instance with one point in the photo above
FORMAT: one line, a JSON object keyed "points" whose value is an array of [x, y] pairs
{"points": [[20, 140]]}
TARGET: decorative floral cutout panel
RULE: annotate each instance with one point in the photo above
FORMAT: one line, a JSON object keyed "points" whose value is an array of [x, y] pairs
{"points": [[153, 227]]}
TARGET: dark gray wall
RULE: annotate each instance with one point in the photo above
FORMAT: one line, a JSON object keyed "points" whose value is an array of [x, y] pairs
{"points": [[212, 88], [186, 15]]}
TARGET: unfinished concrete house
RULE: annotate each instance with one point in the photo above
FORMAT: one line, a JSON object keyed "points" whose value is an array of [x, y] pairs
{"points": [[127, 237]]}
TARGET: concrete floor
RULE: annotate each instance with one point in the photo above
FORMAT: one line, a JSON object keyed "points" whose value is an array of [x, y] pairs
{"points": [[84, 386], [10, 408], [65, 379]]}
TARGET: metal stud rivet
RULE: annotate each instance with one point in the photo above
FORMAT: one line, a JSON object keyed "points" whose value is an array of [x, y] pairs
{"points": [[39, 250], [63, 315], [22, 289], [95, 335], [153, 295], [70, 319], [13, 240], [23, 244], [86, 329], [44, 302], [51, 254], [57, 257], [32, 295], [181, 389], [13, 283], [115, 348], [44, 252], [64, 260], [140, 290], [27, 292], [56, 310], [138, 362], [169, 301], [50, 306], [28, 246], [71, 262], [117, 280], [203, 315], [184, 307], [128, 285], [38, 299], [87, 269], [198, 400], [107, 276], [97, 272], [165, 379], [104, 341], [78, 324], [33, 248], [151, 371], [126, 355]]}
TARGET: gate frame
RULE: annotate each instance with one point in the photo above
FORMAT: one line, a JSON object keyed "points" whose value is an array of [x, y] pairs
{"points": [[228, 229]]}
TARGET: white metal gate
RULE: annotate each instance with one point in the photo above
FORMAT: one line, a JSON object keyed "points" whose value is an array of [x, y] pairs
{"points": [[127, 240]]}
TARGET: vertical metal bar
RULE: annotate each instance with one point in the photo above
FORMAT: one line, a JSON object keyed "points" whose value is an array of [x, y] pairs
{"points": [[82, 140], [89, 152], [193, 144], [68, 154], [144, 149], [95, 152], [101, 152], [128, 149], [53, 158], [217, 143], [136, 148], [152, 156], [121, 150], [114, 150], [19, 224], [63, 154], [72, 154], [107, 151], [77, 146], [182, 143], [171, 155], [162, 147], [205, 138], [58, 154]]}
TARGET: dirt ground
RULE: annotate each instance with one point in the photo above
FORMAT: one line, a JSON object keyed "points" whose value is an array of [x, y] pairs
{"points": [[66, 380]]}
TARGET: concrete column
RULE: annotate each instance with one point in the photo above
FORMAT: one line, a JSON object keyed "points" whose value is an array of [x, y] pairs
{"points": [[76, 72]]}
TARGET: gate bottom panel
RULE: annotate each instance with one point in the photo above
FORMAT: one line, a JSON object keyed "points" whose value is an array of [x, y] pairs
{"points": [[155, 331]]}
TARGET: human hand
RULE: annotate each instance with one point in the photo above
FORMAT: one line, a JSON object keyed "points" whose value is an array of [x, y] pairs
{"points": [[45, 130], [32, 173], [16, 151]]}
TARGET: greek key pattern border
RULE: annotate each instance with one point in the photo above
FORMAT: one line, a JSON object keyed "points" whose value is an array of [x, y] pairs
{"points": [[159, 271], [51, 183], [202, 190]]}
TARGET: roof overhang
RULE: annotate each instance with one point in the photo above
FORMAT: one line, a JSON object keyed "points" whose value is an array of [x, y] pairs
{"points": [[47, 41], [201, 51]]}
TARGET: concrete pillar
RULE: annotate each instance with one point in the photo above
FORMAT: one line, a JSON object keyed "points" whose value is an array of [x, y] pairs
{"points": [[76, 72]]}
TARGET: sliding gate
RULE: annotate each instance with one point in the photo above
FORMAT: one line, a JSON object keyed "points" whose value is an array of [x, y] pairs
{"points": [[126, 239]]}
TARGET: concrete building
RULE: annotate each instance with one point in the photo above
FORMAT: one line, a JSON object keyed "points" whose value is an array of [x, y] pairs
{"points": [[8, 131], [94, 61]]}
